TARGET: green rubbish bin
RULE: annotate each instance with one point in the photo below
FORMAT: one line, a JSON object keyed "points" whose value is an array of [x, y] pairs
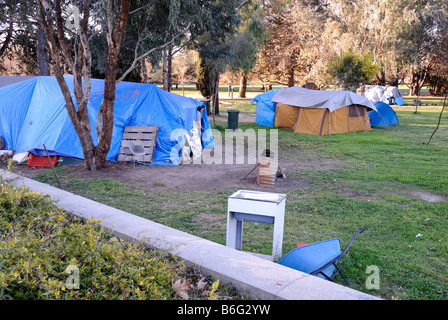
{"points": [[232, 119]]}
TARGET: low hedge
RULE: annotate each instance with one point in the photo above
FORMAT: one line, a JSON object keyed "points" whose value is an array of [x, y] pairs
{"points": [[44, 251]]}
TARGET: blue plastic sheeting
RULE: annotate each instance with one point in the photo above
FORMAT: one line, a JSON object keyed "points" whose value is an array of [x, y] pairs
{"points": [[385, 116], [311, 257], [33, 113], [265, 108]]}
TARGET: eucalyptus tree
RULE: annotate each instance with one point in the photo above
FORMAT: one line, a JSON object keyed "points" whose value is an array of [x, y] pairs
{"points": [[213, 38], [293, 51], [247, 42], [423, 35], [70, 46], [406, 37]]}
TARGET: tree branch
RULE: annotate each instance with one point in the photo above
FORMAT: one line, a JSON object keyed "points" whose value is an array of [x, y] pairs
{"points": [[440, 118], [147, 53], [8, 36]]}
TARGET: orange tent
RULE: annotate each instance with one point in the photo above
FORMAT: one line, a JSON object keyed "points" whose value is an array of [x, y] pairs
{"points": [[321, 112]]}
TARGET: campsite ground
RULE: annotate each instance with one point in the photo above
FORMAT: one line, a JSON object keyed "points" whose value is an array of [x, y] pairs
{"points": [[389, 180]]}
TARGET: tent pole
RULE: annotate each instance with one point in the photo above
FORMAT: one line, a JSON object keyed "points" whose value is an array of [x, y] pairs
{"points": [[348, 117], [323, 122], [51, 164]]}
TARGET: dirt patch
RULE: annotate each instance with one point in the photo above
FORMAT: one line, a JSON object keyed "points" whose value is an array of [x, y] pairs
{"points": [[428, 197], [193, 177]]}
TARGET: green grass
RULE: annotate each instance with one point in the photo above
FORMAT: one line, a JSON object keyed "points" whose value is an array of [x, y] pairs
{"points": [[369, 179]]}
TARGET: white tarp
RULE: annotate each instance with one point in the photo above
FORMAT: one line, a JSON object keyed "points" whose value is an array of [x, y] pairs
{"points": [[382, 93], [332, 100]]}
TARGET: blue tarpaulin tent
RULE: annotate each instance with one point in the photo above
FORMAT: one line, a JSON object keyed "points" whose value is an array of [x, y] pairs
{"points": [[384, 116], [33, 113], [265, 108]]}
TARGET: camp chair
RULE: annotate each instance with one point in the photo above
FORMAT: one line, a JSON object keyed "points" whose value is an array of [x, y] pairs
{"points": [[131, 149], [320, 258]]}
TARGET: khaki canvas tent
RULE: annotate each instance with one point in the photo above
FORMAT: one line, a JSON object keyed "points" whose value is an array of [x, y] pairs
{"points": [[321, 112]]}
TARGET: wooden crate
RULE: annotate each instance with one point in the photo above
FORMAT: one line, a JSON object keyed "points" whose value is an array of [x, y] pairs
{"points": [[267, 172], [145, 136]]}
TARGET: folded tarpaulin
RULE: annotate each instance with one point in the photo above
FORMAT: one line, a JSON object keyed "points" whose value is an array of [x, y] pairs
{"points": [[33, 113]]}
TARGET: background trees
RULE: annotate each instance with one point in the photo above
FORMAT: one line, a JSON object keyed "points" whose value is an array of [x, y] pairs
{"points": [[213, 44], [288, 42], [406, 38], [23, 49]]}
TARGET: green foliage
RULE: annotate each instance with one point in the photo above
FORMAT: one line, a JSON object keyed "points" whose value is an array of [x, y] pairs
{"points": [[212, 41], [38, 242], [246, 44], [351, 68], [18, 40]]}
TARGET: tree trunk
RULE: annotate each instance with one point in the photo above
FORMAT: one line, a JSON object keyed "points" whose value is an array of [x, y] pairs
{"points": [[80, 63], [381, 77], [291, 78], [8, 38], [144, 71], [215, 99], [167, 68], [415, 85], [418, 80], [110, 84], [243, 85], [42, 54], [107, 110]]}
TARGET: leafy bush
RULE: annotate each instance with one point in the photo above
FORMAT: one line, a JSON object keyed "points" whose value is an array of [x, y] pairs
{"points": [[41, 246], [351, 69]]}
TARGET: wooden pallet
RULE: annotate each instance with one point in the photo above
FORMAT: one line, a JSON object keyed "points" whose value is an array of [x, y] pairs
{"points": [[145, 136]]}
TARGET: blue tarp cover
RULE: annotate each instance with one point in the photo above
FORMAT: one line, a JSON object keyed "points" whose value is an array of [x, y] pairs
{"points": [[33, 113], [265, 108], [385, 116]]}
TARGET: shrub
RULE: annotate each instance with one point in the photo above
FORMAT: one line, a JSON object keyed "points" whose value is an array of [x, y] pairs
{"points": [[43, 250], [351, 68]]}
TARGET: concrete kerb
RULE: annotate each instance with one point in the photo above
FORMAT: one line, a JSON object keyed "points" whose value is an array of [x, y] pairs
{"points": [[248, 273]]}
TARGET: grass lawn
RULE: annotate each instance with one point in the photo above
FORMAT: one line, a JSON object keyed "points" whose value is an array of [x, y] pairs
{"points": [[378, 179]]}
